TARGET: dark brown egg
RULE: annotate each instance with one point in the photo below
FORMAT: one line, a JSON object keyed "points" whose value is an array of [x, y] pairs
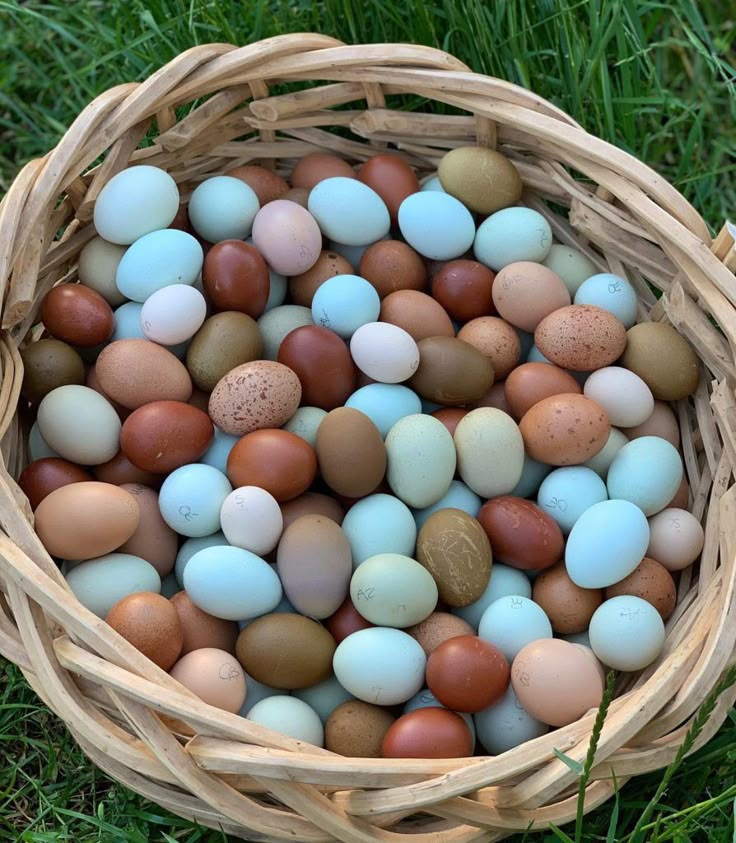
{"points": [[392, 179], [495, 338], [311, 503], [203, 630], [165, 435], [318, 166], [357, 729], [345, 621], [48, 364], [266, 184], [235, 277], [450, 417], [351, 453], [151, 624], [451, 371], [303, 287], [120, 470], [467, 674], [392, 265], [531, 382], [322, 362], [428, 733], [568, 606], [280, 462], [521, 534], [651, 581], [77, 314], [463, 288], [417, 313], [41, 477]]}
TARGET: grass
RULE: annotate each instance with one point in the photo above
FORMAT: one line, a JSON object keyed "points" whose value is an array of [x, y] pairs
{"points": [[656, 78]]}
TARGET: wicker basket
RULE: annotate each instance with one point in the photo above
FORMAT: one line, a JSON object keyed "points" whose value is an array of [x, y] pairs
{"points": [[145, 729]]}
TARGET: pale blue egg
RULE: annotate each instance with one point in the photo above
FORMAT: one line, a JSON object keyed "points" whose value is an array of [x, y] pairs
{"points": [[607, 542], [192, 546], [353, 254], [379, 524], [324, 697], [429, 407], [218, 452], [426, 699], [99, 583], [510, 235], [506, 724], [512, 622], [532, 474], [536, 356], [257, 691], [191, 497], [458, 496], [647, 471], [231, 583], [567, 492], [433, 184], [348, 211], [577, 638], [505, 581], [223, 208], [611, 292], [626, 633], [170, 586], [436, 225], [277, 290], [158, 260], [385, 404], [345, 302], [38, 448], [305, 422]]}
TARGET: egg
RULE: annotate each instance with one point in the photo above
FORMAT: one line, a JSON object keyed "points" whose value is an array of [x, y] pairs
{"points": [[348, 211], [606, 544], [467, 674], [567, 492], [436, 225], [624, 396], [652, 582], [504, 581], [214, 676], [257, 691], [529, 383], [532, 474], [495, 339], [385, 404], [356, 729], [490, 451], [100, 583], [510, 235], [660, 422], [352, 457], [312, 503], [235, 277], [428, 733], [324, 697], [570, 264], [121, 470], [581, 337], [601, 462], [568, 606], [345, 621], [450, 417], [224, 341], [510, 623], [392, 179], [153, 540], [433, 183], [647, 471], [201, 629], [392, 265], [304, 285], [458, 496], [289, 716], [481, 178], [344, 303], [316, 167], [47, 365], [41, 477], [191, 497], [98, 263], [663, 359], [391, 590], [223, 208], [288, 237], [157, 260], [384, 352], [627, 633], [611, 292], [305, 422], [451, 371], [379, 524], [525, 292], [438, 628], [682, 495], [266, 184], [676, 538], [286, 650], [276, 324], [417, 313], [77, 315], [521, 534], [506, 724], [151, 624], [251, 518]]}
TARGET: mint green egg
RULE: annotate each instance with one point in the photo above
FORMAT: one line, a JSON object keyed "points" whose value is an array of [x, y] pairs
{"points": [[223, 208], [570, 264], [510, 235]]}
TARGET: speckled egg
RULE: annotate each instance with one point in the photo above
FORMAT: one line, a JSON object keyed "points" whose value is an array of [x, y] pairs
{"points": [[652, 582], [151, 624], [496, 339], [581, 337], [564, 429]]}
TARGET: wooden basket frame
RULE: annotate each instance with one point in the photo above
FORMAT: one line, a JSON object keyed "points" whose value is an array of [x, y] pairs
{"points": [[132, 719]]}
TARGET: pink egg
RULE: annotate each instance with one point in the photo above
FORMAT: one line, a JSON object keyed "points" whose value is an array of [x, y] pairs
{"points": [[287, 236]]}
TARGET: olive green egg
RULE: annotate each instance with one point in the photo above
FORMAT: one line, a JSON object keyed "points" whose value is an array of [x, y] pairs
{"points": [[48, 364], [482, 179], [663, 359], [224, 341]]}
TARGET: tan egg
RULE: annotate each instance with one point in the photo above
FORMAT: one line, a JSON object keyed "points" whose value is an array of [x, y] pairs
{"points": [[150, 623], [531, 382], [525, 292], [92, 381], [214, 676], [224, 341], [356, 729], [392, 265], [86, 520], [481, 178], [256, 395], [581, 337], [311, 503], [437, 628], [351, 453], [662, 423], [417, 313], [135, 372], [652, 582], [329, 264], [564, 429], [494, 397], [495, 338], [663, 359], [202, 630], [451, 372], [153, 539], [266, 184], [300, 195], [568, 606]]}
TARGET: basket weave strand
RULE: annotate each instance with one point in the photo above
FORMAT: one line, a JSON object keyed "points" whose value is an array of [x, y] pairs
{"points": [[132, 719]]}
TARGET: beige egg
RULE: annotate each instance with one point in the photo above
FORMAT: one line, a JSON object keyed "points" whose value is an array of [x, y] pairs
{"points": [[676, 538], [153, 539], [214, 676], [496, 339], [581, 337], [525, 292], [662, 422]]}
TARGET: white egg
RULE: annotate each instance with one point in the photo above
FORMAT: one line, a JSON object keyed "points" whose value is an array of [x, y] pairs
{"points": [[511, 623], [624, 396], [251, 518], [289, 716], [384, 352], [173, 314]]}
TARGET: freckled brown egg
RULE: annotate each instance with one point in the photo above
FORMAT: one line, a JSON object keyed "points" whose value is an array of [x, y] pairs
{"points": [[77, 314], [316, 167], [651, 581], [392, 265], [450, 417], [417, 313], [41, 477], [581, 337], [568, 606], [428, 733], [392, 179], [150, 623], [438, 628], [280, 462], [464, 289], [303, 287], [525, 292], [357, 729], [201, 629], [266, 184], [496, 339], [153, 539], [521, 533], [235, 277], [531, 382]]}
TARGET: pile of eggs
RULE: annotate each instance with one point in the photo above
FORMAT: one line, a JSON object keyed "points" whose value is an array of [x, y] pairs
{"points": [[379, 466]]}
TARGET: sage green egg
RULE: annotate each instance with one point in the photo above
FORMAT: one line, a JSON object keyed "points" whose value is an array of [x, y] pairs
{"points": [[276, 323], [421, 460], [571, 265], [490, 452], [393, 590], [99, 583], [305, 422], [98, 263], [224, 341]]}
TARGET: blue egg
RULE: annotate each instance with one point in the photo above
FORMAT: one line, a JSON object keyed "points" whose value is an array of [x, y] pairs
{"points": [[192, 546], [218, 452], [191, 497], [611, 292], [536, 356], [567, 492], [158, 260], [458, 496], [510, 235], [532, 474], [385, 404], [349, 211], [223, 208], [504, 582], [379, 524], [345, 302], [436, 225], [433, 184], [277, 290], [428, 407], [647, 472], [627, 633]]}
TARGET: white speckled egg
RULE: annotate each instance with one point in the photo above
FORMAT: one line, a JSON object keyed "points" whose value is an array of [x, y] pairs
{"points": [[490, 451], [506, 724], [173, 314], [647, 471], [510, 235], [384, 352], [393, 590], [436, 225], [349, 211], [157, 260], [99, 583], [624, 396], [223, 208], [512, 622], [626, 633]]}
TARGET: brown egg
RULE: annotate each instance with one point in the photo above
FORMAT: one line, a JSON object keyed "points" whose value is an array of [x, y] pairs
{"points": [[467, 673], [311, 503], [165, 435], [153, 539], [322, 362], [428, 733], [357, 729], [581, 337], [557, 682], [315, 565], [85, 520], [345, 621], [568, 607], [278, 461], [181, 221], [235, 277], [92, 381], [351, 453], [494, 397], [135, 372], [48, 364], [202, 630], [316, 167], [521, 534], [284, 650], [481, 178], [682, 495], [200, 400], [392, 265], [392, 179], [224, 341], [662, 423], [121, 470], [438, 628], [564, 429], [417, 313], [300, 195], [496, 339], [451, 371], [454, 548], [525, 292], [303, 287], [255, 395], [463, 288], [663, 359], [266, 184], [77, 314], [651, 581], [41, 477], [531, 382], [450, 417], [214, 676], [150, 623]]}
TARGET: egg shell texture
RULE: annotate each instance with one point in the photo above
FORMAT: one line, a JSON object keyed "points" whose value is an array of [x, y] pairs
{"points": [[304, 285], [568, 606], [356, 729], [121, 470], [467, 674], [99, 583], [525, 292], [345, 621], [214, 676], [266, 184], [77, 315], [392, 265], [450, 371], [312, 503], [676, 537], [151, 624], [392, 179], [581, 337], [48, 364], [224, 341], [41, 477], [153, 539], [490, 451], [428, 733], [278, 461], [287, 236], [521, 534], [417, 313], [481, 178], [349, 211], [497, 340], [352, 457], [652, 582], [316, 167]]}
